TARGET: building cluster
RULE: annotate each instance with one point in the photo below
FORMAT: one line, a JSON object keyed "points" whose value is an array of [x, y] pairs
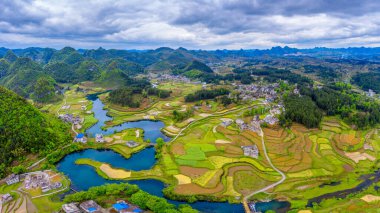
{"points": [[80, 138], [251, 151], [173, 78], [12, 179], [270, 119], [34, 180], [91, 206], [252, 92], [253, 126], [40, 180], [70, 118]]}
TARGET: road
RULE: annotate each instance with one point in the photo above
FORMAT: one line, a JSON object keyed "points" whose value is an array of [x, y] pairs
{"points": [[38, 162], [283, 177], [64, 104]]}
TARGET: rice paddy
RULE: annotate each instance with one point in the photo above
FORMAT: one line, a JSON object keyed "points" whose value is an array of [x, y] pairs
{"points": [[207, 158]]}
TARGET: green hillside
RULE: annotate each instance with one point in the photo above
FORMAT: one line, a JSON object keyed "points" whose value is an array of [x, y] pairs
{"points": [[24, 130]]}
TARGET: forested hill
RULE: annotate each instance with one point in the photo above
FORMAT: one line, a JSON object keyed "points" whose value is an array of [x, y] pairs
{"points": [[24, 130]]}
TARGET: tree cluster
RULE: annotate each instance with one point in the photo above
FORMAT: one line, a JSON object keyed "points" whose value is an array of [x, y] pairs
{"points": [[24, 129], [301, 110], [133, 194], [206, 94], [181, 116]]}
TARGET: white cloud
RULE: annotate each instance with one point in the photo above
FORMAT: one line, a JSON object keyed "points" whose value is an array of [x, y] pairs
{"points": [[192, 24]]}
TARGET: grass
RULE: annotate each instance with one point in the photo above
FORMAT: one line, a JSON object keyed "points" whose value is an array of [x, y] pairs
{"points": [[246, 181], [205, 178], [193, 153], [47, 204], [95, 164], [230, 190]]}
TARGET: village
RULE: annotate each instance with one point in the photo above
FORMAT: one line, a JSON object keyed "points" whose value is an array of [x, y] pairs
{"points": [[45, 183], [31, 185], [253, 92]]}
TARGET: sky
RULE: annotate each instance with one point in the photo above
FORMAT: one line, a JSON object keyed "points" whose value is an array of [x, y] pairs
{"points": [[207, 24]]}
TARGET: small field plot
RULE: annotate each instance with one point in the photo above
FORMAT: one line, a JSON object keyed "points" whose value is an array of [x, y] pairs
{"points": [[246, 180]]}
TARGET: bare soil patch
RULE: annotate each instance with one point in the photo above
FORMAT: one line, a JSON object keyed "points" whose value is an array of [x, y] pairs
{"points": [[357, 156], [219, 141], [182, 179], [191, 189], [114, 173], [192, 171], [370, 198], [178, 149]]}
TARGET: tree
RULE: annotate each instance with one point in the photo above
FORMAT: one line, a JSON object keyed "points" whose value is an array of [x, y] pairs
{"points": [[19, 169]]}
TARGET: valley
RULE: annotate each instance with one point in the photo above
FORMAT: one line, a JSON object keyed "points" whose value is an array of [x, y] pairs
{"points": [[258, 138]]}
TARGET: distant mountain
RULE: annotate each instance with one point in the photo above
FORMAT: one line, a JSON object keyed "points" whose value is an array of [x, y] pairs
{"points": [[24, 130], [197, 65], [21, 76], [182, 56], [27, 79], [67, 55], [10, 56], [113, 78]]}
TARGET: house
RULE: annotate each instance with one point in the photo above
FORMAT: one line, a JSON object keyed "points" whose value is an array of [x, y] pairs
{"points": [[370, 93], [99, 138], [226, 123], [131, 144], [120, 206], [270, 119], [90, 206], [251, 151], [80, 138], [368, 146], [12, 179], [296, 91], [6, 198], [45, 187], [239, 122], [56, 185], [70, 208], [77, 120]]}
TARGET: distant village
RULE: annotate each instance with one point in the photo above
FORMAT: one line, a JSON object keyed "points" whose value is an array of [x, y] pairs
{"points": [[253, 92]]}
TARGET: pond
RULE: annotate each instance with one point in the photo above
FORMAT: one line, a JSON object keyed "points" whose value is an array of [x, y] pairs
{"points": [[87, 177], [152, 129], [83, 176]]}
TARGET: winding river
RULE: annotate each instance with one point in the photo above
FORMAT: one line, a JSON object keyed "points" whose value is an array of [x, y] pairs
{"points": [[87, 177]]}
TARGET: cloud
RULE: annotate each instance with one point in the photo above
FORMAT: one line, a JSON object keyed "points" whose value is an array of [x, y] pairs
{"points": [[198, 24]]}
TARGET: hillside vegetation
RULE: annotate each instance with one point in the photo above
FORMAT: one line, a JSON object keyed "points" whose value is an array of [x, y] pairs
{"points": [[25, 130]]}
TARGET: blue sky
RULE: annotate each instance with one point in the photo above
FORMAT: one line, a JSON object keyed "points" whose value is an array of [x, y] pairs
{"points": [[208, 24]]}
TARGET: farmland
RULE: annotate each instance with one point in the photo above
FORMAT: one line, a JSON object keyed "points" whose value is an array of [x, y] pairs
{"points": [[205, 158]]}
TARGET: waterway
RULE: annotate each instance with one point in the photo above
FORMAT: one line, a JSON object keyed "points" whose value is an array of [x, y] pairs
{"points": [[152, 129], [143, 160]]}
